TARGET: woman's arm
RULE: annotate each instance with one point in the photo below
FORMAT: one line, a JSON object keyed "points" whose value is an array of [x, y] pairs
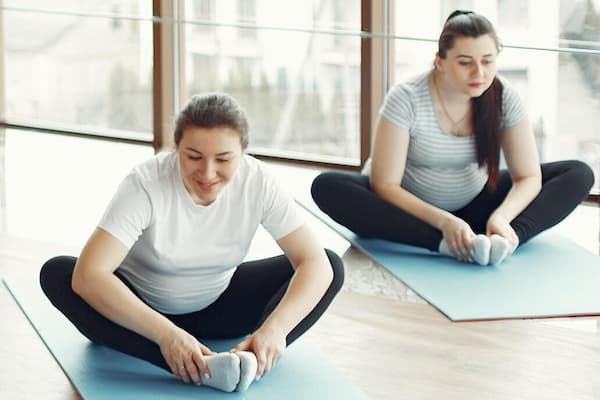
{"points": [[390, 150], [520, 153], [94, 280], [313, 275]]}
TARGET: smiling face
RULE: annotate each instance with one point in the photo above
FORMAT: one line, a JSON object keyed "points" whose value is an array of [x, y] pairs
{"points": [[470, 65], [208, 158]]}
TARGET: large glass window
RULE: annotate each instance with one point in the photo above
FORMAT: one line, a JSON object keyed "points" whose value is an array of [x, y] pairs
{"points": [[81, 65], [84, 65], [291, 66], [547, 58]]}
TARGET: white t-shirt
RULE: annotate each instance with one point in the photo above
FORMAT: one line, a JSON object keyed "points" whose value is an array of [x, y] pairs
{"points": [[441, 169], [182, 255]]}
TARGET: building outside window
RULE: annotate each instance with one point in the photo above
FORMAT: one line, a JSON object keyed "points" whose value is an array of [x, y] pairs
{"points": [[79, 72], [301, 88]]}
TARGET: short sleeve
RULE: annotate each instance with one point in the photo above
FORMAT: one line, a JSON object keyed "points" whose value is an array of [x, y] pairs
{"points": [[398, 107], [513, 110], [129, 212], [281, 215]]}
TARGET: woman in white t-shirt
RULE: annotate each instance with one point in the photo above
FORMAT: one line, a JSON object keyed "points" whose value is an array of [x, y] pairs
{"points": [[165, 266], [433, 180]]}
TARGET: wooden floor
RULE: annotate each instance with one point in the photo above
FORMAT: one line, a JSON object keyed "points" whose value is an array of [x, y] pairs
{"points": [[391, 349]]}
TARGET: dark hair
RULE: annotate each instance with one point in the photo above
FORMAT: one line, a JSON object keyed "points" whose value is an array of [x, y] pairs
{"points": [[212, 110], [486, 117]]}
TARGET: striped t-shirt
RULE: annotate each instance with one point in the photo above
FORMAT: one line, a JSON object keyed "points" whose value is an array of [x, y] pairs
{"points": [[441, 169]]}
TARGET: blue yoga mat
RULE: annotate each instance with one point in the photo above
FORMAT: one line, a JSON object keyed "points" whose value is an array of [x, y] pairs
{"points": [[101, 373], [549, 276]]}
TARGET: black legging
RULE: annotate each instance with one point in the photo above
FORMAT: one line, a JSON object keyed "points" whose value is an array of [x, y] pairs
{"points": [[253, 293], [348, 199]]}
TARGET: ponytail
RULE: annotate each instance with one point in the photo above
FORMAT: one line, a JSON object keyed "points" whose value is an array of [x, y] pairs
{"points": [[486, 120]]}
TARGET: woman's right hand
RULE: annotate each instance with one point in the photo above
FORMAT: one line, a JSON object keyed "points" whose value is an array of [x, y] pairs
{"points": [[185, 355], [459, 238]]}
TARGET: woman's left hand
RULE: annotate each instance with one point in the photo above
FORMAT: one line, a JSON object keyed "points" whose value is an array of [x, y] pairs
{"points": [[499, 225], [268, 344]]}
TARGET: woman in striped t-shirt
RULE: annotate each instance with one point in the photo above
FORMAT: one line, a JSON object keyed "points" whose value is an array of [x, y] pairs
{"points": [[433, 180]]}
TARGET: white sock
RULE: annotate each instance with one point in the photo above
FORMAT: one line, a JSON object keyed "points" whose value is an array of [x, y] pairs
{"points": [[248, 367], [500, 249], [481, 249], [444, 250], [224, 371]]}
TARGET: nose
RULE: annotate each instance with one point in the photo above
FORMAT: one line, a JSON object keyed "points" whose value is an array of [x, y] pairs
{"points": [[207, 171], [478, 72]]}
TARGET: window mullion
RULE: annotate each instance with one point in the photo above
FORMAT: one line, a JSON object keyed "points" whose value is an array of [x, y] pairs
{"points": [[372, 71], [163, 91]]}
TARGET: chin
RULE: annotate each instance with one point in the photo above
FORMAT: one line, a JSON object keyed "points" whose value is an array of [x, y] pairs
{"points": [[205, 201], [476, 92]]}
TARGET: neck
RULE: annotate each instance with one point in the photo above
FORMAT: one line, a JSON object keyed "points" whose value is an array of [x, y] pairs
{"points": [[447, 94], [455, 111]]}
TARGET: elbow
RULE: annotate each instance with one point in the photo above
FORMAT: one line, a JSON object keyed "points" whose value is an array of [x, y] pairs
{"points": [[379, 188], [78, 282]]}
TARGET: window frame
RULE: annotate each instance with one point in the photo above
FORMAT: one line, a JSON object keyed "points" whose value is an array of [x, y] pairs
{"points": [[377, 61]]}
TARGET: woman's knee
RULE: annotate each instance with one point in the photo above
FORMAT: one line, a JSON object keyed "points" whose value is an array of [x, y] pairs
{"points": [[321, 187], [56, 274], [579, 172], [337, 267], [580, 176], [583, 173]]}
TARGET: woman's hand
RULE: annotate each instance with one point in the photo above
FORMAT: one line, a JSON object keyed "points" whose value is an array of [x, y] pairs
{"points": [[499, 225], [268, 344], [459, 238], [185, 355]]}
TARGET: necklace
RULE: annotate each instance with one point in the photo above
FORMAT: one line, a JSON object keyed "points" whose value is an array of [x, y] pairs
{"points": [[455, 124]]}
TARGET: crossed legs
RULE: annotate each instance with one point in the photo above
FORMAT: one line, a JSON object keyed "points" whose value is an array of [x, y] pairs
{"points": [[253, 293], [348, 199]]}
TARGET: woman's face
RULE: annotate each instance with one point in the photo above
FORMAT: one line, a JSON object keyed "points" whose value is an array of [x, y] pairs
{"points": [[209, 158], [469, 66]]}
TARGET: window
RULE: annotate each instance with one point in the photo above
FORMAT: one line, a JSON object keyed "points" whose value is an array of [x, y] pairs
{"points": [[513, 13], [297, 67], [87, 73], [299, 85]]}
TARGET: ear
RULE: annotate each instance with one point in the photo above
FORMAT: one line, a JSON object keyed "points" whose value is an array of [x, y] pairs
{"points": [[438, 62]]}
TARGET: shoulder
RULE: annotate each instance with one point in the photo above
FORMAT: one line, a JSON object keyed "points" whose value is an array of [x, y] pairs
{"points": [[411, 89], [509, 93], [406, 100], [252, 168], [155, 170], [152, 180], [513, 109], [257, 180], [254, 174], [156, 166]]}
